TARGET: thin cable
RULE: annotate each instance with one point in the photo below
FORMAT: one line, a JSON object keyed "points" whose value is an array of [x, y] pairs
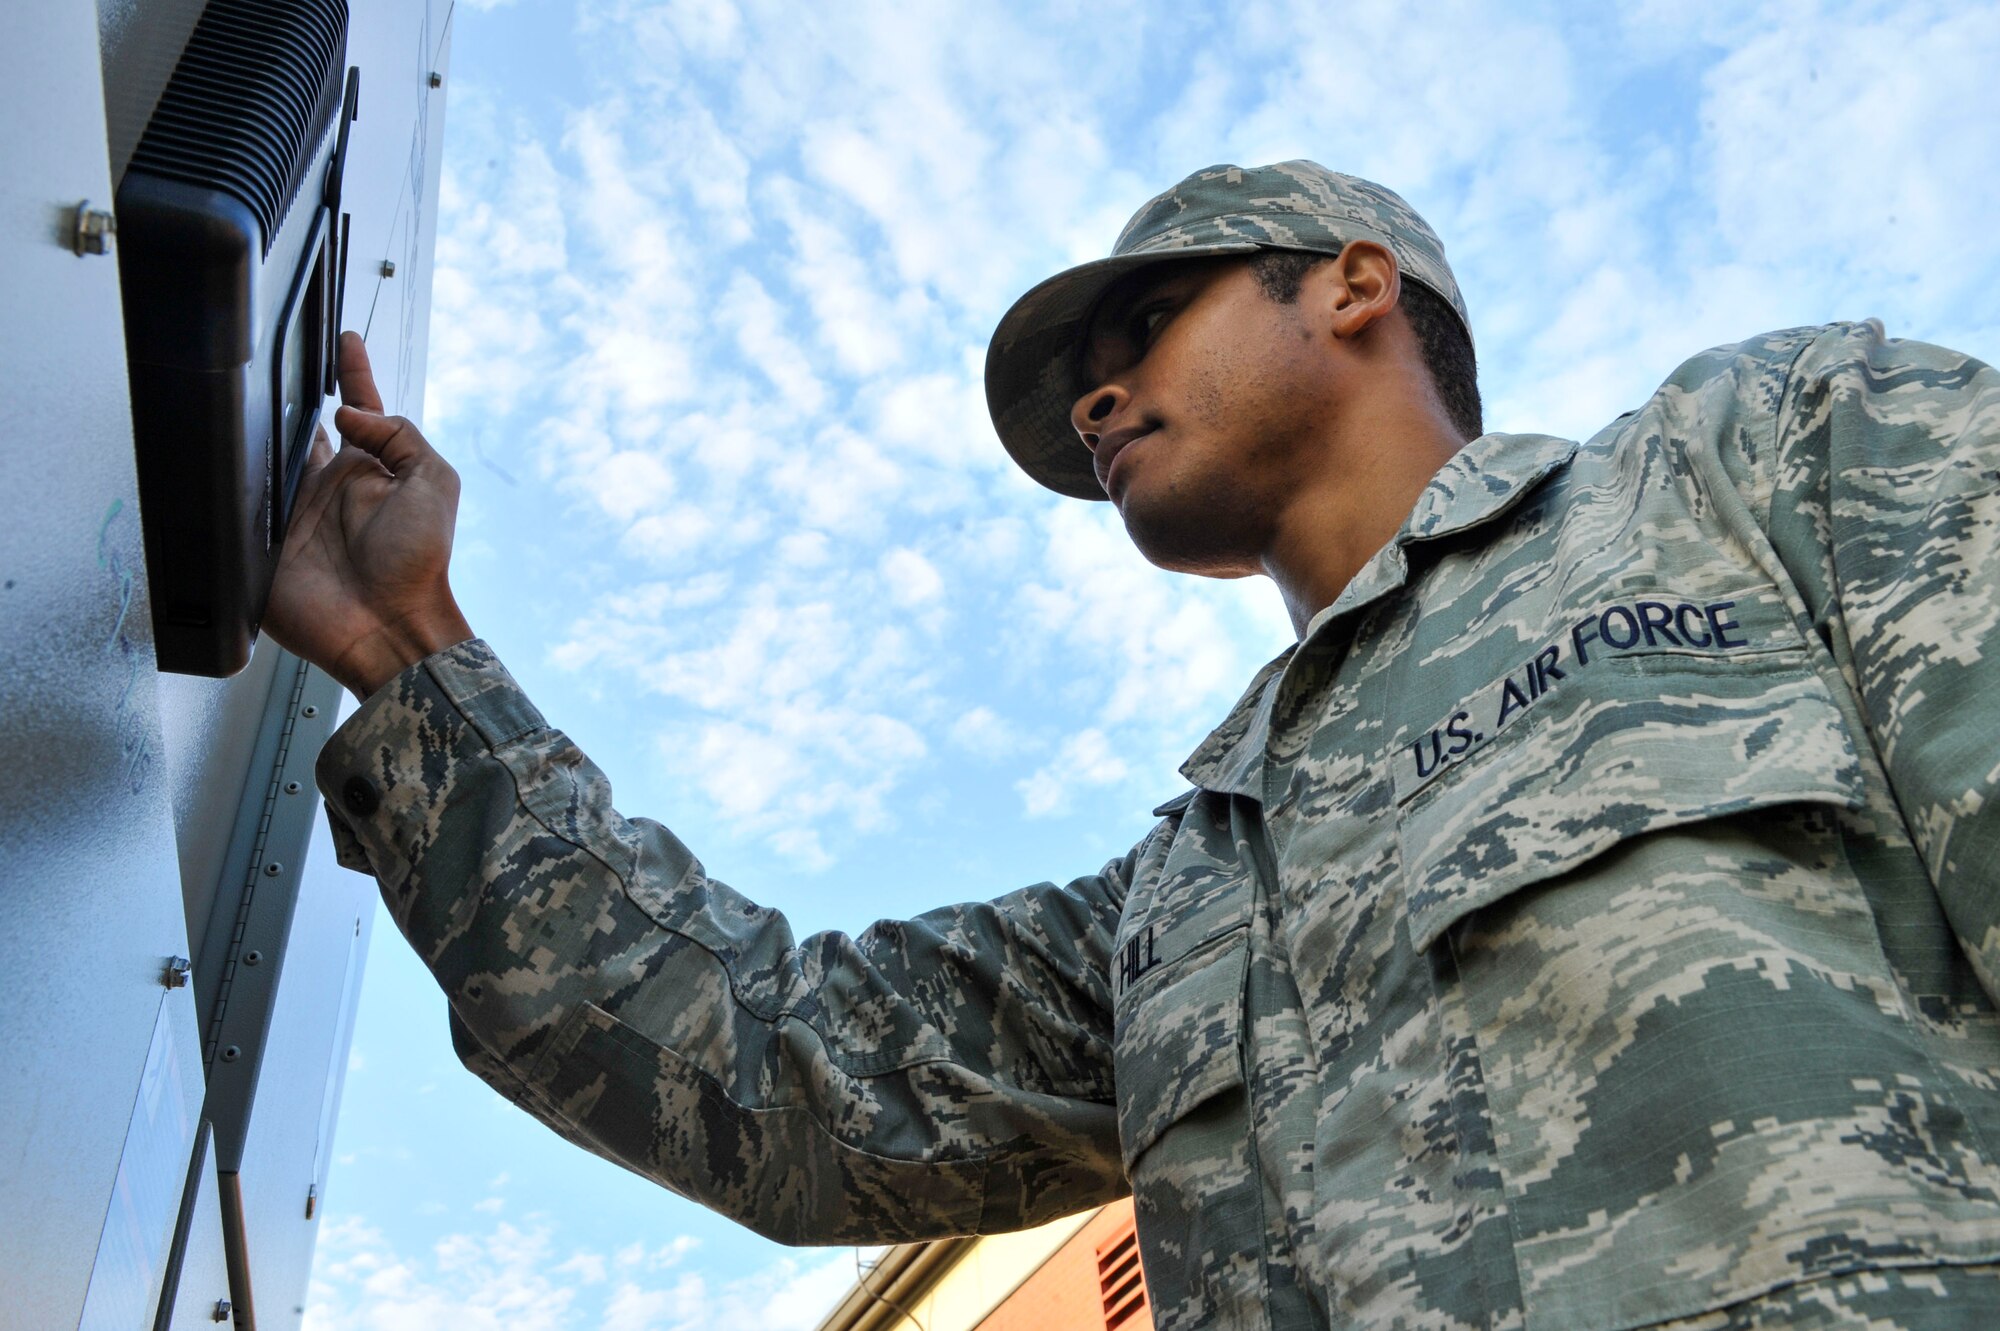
{"points": [[444, 35], [862, 1281]]}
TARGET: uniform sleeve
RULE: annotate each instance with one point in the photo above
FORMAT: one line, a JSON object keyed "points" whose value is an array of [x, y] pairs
{"points": [[1886, 510], [949, 1074]]}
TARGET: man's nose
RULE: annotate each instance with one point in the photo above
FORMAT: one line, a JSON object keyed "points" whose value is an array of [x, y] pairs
{"points": [[1092, 410]]}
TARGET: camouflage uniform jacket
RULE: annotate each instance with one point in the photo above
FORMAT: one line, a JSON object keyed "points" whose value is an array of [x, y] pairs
{"points": [[1590, 923]]}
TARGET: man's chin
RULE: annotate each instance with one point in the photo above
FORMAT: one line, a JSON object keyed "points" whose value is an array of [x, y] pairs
{"points": [[1182, 542]]}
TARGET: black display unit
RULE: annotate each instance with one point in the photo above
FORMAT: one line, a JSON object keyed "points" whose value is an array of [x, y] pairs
{"points": [[231, 260]]}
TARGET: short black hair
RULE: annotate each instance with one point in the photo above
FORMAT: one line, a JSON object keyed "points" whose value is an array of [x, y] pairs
{"points": [[1446, 346]]}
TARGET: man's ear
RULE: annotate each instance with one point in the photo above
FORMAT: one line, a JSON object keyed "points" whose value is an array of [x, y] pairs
{"points": [[1363, 286]]}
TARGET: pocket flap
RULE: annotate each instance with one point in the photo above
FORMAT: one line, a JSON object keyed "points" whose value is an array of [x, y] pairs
{"points": [[1178, 1040], [1681, 744]]}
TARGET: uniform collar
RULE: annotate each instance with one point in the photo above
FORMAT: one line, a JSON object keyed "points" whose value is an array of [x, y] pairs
{"points": [[1483, 480], [1231, 758]]}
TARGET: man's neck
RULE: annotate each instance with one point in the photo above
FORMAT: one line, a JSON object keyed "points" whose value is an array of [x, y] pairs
{"points": [[1331, 530]]}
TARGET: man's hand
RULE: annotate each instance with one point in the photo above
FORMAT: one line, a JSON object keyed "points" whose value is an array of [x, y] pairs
{"points": [[362, 588]]}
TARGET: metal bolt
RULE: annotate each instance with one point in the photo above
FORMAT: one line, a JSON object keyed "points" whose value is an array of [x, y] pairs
{"points": [[273, 869], [309, 709], [437, 79], [312, 1200], [292, 787], [221, 1311], [178, 970], [252, 957], [230, 1053], [388, 267], [91, 230]]}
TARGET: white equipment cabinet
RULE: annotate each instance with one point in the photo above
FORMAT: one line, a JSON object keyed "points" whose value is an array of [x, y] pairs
{"points": [[178, 1009]]}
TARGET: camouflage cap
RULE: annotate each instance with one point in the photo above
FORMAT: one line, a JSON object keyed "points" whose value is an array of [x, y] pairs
{"points": [[1031, 366]]}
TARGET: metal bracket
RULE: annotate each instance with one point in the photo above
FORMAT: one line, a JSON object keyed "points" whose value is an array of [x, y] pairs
{"points": [[91, 230], [250, 926]]}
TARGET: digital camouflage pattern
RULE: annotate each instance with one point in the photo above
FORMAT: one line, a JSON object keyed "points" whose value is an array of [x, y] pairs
{"points": [[1590, 924], [1031, 366]]}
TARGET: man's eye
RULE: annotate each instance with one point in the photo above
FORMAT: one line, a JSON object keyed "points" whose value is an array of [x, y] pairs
{"points": [[1148, 323]]}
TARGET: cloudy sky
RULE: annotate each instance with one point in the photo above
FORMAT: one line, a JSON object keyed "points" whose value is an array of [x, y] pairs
{"points": [[714, 282]]}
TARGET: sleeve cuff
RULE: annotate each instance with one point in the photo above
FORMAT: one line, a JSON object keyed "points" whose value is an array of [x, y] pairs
{"points": [[387, 772]]}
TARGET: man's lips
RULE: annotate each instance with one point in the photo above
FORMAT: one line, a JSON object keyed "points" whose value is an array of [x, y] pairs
{"points": [[1115, 443]]}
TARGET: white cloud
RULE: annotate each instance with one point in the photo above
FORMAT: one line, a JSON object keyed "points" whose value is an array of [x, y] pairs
{"points": [[761, 334], [709, 28], [841, 482], [672, 1252], [851, 313], [501, 1279], [1157, 659], [985, 734], [498, 276], [627, 483], [1085, 759], [587, 1267], [508, 1277], [666, 538], [635, 1308], [940, 418], [912, 580], [804, 550], [1858, 142], [790, 719]]}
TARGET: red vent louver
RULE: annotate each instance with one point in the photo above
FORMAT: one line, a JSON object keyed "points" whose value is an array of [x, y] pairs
{"points": [[1119, 1280]]}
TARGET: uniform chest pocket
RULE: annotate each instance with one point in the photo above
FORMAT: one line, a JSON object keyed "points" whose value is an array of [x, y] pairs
{"points": [[1177, 981], [1664, 741], [1178, 1041], [1184, 1128], [1702, 1078]]}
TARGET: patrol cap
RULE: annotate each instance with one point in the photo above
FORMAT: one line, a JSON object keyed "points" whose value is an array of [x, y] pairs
{"points": [[1032, 372]]}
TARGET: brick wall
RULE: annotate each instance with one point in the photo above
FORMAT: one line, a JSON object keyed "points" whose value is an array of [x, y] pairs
{"points": [[1092, 1283]]}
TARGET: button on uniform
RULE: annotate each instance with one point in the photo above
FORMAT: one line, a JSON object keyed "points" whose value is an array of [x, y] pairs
{"points": [[361, 796]]}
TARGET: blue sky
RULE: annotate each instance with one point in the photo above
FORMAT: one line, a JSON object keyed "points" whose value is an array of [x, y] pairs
{"points": [[713, 287]]}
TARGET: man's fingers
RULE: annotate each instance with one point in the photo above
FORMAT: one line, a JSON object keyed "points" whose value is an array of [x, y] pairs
{"points": [[397, 443], [357, 380]]}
